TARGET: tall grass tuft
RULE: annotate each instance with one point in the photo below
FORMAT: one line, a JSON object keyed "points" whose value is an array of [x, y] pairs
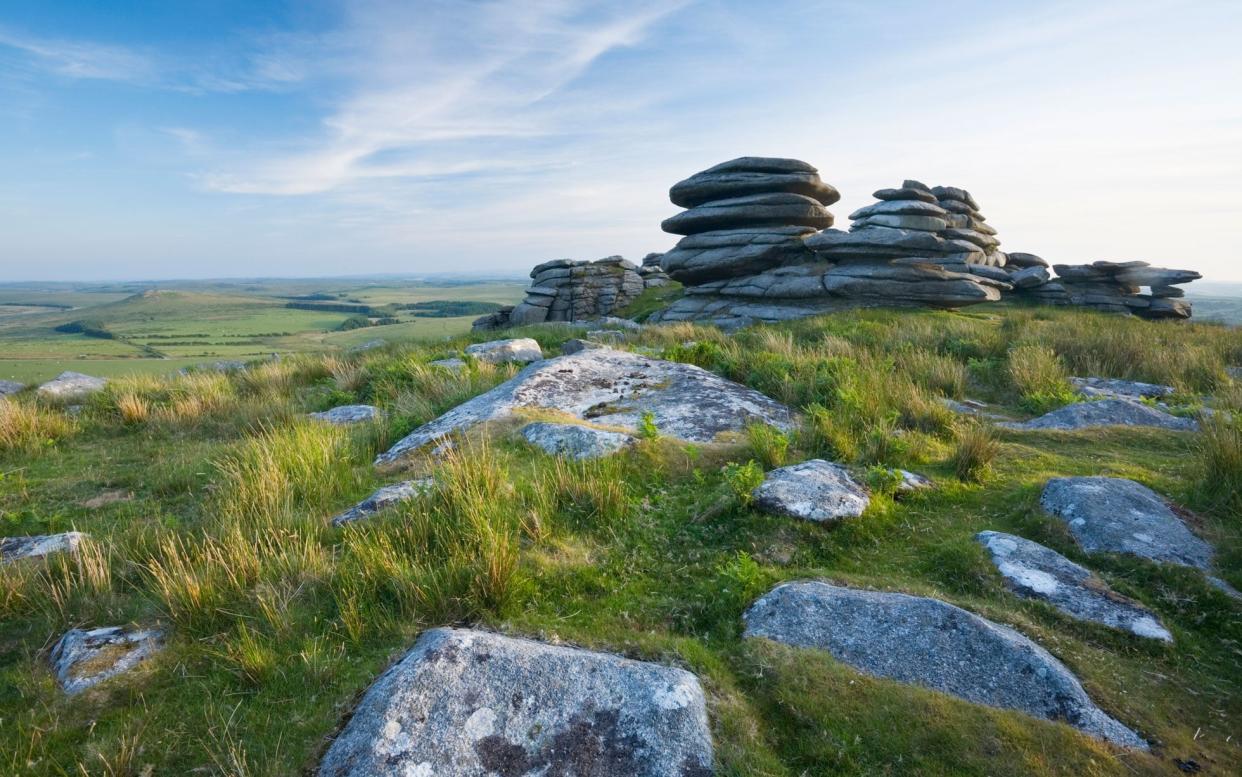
{"points": [[974, 452], [1040, 378], [770, 446], [1219, 453], [28, 428]]}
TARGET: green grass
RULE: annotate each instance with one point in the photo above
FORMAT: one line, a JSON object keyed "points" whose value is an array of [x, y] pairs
{"points": [[278, 621]]}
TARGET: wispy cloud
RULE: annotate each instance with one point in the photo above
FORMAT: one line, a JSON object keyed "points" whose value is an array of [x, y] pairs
{"points": [[81, 59], [451, 76]]}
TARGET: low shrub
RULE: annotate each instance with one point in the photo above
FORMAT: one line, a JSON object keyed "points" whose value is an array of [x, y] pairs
{"points": [[974, 452]]}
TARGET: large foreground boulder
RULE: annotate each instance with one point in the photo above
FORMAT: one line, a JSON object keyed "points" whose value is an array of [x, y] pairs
{"points": [[1035, 572], [1116, 515], [84, 658], [473, 703], [930, 643], [71, 385], [39, 545], [613, 388], [1105, 412], [814, 490]]}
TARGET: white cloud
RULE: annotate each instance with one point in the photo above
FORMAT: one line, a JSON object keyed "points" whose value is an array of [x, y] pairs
{"points": [[79, 59]]}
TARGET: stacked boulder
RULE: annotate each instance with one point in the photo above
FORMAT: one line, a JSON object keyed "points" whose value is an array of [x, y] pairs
{"points": [[965, 222], [571, 290], [894, 253], [1117, 287], [651, 271], [1029, 275]]}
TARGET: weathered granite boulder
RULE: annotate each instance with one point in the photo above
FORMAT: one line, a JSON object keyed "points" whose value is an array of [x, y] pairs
{"points": [[1025, 260], [1116, 287], [574, 441], [735, 252], [451, 364], [1114, 388], [752, 175], [38, 546], [465, 702], [751, 211], [966, 223], [1116, 515], [578, 345], [344, 415], [84, 658], [652, 272], [613, 388], [9, 387], [571, 290], [1029, 277], [498, 319], [912, 481], [814, 490], [1035, 572], [383, 498], [521, 350], [1105, 412], [71, 385], [928, 642]]}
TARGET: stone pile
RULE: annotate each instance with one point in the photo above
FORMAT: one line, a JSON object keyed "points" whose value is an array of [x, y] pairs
{"points": [[1116, 287], [965, 222], [766, 262]]}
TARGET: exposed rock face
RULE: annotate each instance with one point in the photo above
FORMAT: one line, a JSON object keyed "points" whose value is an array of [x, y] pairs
{"points": [[966, 223], [71, 385], [521, 350], [931, 643], [1116, 515], [651, 271], [348, 414], [473, 703], [383, 498], [38, 546], [613, 388], [1035, 572], [1105, 412], [814, 490], [85, 658], [1113, 388], [1116, 287], [574, 441], [750, 212], [752, 175], [8, 387], [569, 290]]}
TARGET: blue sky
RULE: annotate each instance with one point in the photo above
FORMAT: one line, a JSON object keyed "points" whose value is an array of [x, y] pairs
{"points": [[214, 139]]}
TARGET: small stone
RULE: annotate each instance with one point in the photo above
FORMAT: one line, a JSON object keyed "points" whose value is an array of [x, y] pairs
{"points": [[1116, 515], [383, 498], [814, 490], [344, 415], [927, 642], [84, 658], [452, 365], [465, 702], [39, 545], [71, 385], [574, 441], [912, 481], [1036, 572], [520, 350]]}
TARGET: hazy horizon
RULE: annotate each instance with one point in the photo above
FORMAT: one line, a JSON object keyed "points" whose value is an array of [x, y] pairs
{"points": [[143, 141]]}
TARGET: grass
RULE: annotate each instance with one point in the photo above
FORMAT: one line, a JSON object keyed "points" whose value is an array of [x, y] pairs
{"points": [[276, 621]]}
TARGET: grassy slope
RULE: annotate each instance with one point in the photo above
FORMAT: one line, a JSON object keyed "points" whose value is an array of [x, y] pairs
{"points": [[648, 553]]}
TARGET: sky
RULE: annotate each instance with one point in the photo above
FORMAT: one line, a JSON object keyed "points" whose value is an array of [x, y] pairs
{"points": [[214, 138]]}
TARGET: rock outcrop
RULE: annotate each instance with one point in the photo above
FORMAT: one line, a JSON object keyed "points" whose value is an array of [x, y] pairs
{"points": [[1117, 287], [574, 441], [521, 350], [465, 702], [1116, 515], [931, 643], [814, 490], [965, 222], [778, 267], [84, 658], [383, 498], [652, 273], [1036, 572], [345, 415], [70, 385], [575, 290], [614, 389], [1104, 412], [38, 546]]}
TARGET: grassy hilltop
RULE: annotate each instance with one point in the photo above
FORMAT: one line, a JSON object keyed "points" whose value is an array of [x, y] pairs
{"points": [[217, 529]]}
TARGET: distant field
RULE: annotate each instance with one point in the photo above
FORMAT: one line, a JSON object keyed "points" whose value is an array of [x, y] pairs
{"points": [[156, 330]]}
